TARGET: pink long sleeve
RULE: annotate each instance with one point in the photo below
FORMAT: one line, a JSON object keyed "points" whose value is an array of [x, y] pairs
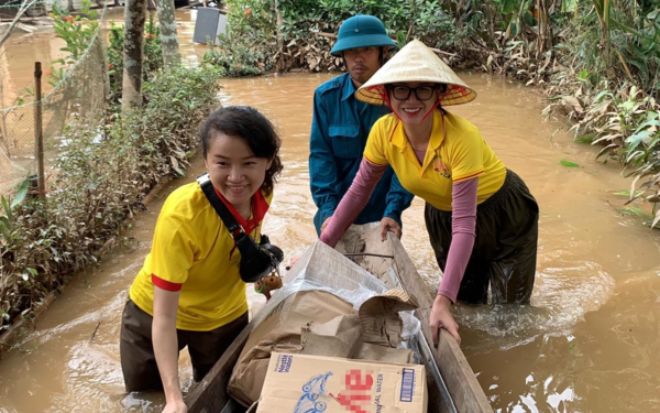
{"points": [[353, 201], [463, 224]]}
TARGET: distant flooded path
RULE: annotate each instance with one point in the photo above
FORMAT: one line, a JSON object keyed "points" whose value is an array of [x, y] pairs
{"points": [[589, 342]]}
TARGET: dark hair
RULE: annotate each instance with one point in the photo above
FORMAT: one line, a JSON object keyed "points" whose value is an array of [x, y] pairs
{"points": [[385, 54], [253, 128]]}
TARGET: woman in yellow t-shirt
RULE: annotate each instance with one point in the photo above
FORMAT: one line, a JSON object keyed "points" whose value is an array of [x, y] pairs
{"points": [[481, 219], [189, 291]]}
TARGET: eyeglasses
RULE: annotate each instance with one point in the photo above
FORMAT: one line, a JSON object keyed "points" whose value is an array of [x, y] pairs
{"points": [[401, 92]]}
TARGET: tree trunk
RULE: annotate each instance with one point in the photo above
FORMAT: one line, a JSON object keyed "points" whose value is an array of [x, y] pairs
{"points": [[102, 56], [544, 39], [279, 64], [134, 16], [168, 40]]}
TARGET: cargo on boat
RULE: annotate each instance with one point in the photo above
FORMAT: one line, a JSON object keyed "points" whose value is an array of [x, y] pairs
{"points": [[451, 383]]}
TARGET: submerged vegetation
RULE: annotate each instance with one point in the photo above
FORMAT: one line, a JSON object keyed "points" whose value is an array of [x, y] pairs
{"points": [[598, 61]]}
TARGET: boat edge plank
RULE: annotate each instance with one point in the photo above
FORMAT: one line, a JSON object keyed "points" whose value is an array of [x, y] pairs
{"points": [[454, 367]]}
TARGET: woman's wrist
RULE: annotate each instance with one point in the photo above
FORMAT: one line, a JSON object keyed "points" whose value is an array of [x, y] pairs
{"points": [[442, 299]]}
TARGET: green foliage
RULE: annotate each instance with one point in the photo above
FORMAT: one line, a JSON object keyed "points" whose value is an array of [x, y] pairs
{"points": [[616, 41], [257, 42], [606, 80], [644, 143], [515, 16], [77, 31], [641, 50], [176, 100], [20, 249], [628, 125], [102, 175], [585, 139], [238, 61], [624, 193], [568, 164], [7, 215], [635, 211], [250, 45], [429, 20], [252, 18]]}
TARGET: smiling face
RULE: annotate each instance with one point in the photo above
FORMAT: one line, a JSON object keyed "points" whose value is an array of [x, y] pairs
{"points": [[413, 101], [362, 63], [234, 170]]}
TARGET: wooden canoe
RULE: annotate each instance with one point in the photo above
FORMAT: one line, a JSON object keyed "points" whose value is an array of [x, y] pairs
{"points": [[452, 385]]}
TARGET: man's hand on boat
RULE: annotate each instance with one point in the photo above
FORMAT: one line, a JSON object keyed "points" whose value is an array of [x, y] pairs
{"points": [[441, 317], [387, 224]]}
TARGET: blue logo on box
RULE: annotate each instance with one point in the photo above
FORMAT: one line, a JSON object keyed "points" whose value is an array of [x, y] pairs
{"points": [[309, 400]]}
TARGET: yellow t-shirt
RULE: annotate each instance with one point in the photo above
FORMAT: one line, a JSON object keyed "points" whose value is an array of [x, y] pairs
{"points": [[460, 154], [192, 247]]}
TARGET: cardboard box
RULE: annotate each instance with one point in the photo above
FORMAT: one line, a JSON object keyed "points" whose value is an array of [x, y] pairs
{"points": [[297, 383]]}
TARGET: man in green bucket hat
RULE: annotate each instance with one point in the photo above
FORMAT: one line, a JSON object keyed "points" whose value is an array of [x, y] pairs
{"points": [[341, 125]]}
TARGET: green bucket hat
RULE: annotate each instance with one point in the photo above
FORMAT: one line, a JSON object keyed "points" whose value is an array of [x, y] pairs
{"points": [[361, 30]]}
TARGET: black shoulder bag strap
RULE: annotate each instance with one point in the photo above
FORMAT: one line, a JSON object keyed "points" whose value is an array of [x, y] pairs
{"points": [[256, 262], [230, 222]]}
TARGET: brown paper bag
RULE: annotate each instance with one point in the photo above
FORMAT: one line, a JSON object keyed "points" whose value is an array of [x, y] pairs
{"points": [[379, 315], [281, 331]]}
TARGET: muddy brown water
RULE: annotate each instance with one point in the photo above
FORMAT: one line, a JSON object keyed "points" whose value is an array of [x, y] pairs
{"points": [[588, 343]]}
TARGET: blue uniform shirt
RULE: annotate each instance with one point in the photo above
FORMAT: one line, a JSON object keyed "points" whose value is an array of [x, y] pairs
{"points": [[340, 127]]}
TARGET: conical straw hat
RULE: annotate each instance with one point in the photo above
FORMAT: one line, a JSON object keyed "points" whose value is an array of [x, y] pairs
{"points": [[415, 62]]}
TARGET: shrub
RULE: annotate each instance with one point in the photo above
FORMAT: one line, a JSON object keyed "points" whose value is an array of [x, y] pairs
{"points": [[102, 175]]}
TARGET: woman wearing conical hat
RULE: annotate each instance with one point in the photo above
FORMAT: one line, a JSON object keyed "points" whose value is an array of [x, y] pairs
{"points": [[481, 218]]}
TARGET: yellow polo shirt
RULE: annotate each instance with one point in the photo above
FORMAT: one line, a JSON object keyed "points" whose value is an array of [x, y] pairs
{"points": [[193, 250], [460, 153]]}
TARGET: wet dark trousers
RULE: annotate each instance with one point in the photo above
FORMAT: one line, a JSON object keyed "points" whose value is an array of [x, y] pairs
{"points": [[138, 362], [504, 253]]}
